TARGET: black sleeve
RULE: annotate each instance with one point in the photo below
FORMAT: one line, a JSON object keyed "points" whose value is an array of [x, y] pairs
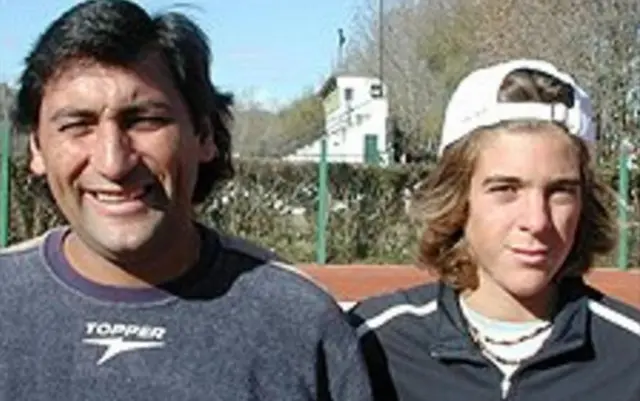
{"points": [[375, 358]]}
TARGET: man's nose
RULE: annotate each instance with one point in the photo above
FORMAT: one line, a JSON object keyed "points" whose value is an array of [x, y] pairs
{"points": [[113, 155], [535, 217]]}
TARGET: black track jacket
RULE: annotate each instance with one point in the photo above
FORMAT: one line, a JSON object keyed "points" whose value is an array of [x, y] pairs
{"points": [[418, 349]]}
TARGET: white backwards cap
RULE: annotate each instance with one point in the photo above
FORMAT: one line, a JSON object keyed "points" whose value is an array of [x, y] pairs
{"points": [[474, 104]]}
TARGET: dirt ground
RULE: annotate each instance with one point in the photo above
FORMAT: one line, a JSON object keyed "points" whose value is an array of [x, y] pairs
{"points": [[354, 282]]}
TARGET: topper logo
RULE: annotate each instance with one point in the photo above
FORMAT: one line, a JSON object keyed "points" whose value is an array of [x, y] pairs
{"points": [[119, 338]]}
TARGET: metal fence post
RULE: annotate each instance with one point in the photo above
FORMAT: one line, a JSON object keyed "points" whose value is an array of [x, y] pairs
{"points": [[321, 226], [5, 181]]}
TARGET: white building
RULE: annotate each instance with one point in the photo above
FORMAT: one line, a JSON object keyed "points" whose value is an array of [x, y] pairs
{"points": [[356, 111]]}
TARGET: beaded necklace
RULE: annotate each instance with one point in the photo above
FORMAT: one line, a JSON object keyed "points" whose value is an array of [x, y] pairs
{"points": [[481, 340]]}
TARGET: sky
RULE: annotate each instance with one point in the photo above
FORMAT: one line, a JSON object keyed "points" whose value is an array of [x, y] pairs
{"points": [[269, 50]]}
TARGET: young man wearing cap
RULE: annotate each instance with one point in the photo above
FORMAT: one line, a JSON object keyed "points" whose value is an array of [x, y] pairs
{"points": [[513, 217], [134, 300]]}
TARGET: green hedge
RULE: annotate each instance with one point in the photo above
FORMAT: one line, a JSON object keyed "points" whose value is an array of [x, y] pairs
{"points": [[274, 204]]}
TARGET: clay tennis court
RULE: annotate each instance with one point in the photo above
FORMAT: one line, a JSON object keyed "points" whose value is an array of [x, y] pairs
{"points": [[353, 282]]}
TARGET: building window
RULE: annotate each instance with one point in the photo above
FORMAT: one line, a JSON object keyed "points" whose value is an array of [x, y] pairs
{"points": [[348, 94], [376, 91], [361, 118]]}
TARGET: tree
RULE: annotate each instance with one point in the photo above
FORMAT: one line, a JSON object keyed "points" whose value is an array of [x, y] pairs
{"points": [[7, 97], [301, 122], [6, 101], [596, 40], [430, 44], [255, 127], [411, 83]]}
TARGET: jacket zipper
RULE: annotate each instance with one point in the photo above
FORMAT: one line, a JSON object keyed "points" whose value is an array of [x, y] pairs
{"points": [[505, 386], [505, 382]]}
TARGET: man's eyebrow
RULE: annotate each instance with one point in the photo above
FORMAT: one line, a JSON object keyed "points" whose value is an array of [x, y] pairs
{"points": [[501, 179], [71, 112], [505, 179], [132, 108], [146, 105], [566, 182]]}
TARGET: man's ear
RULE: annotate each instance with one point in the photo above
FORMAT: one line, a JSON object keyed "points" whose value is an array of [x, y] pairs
{"points": [[36, 162], [207, 149]]}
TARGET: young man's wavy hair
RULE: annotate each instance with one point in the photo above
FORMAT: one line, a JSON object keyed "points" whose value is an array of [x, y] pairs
{"points": [[119, 33], [443, 201]]}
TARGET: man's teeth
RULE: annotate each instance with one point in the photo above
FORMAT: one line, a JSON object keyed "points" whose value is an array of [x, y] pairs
{"points": [[118, 197]]}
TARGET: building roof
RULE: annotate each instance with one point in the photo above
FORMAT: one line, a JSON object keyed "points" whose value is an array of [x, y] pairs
{"points": [[332, 82], [329, 86]]}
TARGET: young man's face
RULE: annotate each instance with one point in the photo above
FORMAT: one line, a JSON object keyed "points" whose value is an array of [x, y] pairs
{"points": [[524, 208], [120, 154]]}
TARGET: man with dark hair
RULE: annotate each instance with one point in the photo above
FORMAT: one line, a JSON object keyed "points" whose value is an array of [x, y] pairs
{"points": [[134, 300]]}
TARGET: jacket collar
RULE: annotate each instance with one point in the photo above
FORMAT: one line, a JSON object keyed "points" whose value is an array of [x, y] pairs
{"points": [[570, 324]]}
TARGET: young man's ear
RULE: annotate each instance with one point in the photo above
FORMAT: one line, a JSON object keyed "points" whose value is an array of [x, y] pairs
{"points": [[36, 162]]}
